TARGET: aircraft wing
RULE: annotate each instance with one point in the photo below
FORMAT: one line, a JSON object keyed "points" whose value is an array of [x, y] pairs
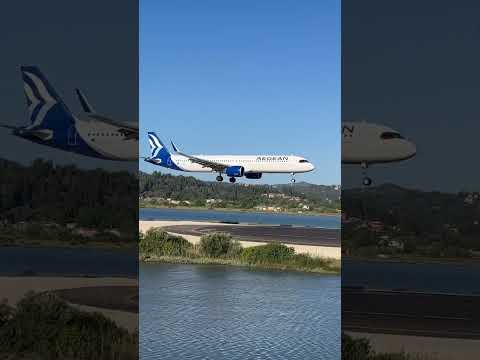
{"points": [[129, 130], [216, 166]]}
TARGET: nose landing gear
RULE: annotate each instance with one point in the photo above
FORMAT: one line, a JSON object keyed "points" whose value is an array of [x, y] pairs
{"points": [[292, 180], [366, 181]]}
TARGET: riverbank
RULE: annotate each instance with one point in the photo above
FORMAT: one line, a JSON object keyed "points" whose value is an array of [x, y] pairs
{"points": [[38, 234], [332, 268], [243, 210], [329, 252], [414, 260], [14, 288], [157, 245]]}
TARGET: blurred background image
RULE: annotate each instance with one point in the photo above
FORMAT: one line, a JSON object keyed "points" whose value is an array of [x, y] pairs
{"points": [[410, 234], [68, 180]]}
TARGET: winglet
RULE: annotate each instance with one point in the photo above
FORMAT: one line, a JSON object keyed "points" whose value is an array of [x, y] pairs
{"points": [[84, 102], [175, 148]]}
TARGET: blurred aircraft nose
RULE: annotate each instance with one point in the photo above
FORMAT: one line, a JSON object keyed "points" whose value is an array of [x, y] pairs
{"points": [[410, 150]]}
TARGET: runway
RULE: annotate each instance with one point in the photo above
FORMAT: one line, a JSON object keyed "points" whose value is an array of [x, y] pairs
{"points": [[404, 313], [264, 233]]}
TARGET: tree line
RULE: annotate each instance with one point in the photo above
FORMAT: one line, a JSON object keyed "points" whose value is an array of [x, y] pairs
{"points": [[44, 192]]}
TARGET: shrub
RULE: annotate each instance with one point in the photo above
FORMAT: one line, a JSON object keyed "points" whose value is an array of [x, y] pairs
{"points": [[43, 325], [219, 245], [158, 242], [235, 249], [361, 349], [355, 349], [265, 254], [175, 246]]}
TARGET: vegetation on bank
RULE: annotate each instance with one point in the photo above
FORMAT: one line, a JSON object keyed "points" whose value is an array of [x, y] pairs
{"points": [[219, 248], [361, 349], [52, 234], [42, 326], [164, 190]]}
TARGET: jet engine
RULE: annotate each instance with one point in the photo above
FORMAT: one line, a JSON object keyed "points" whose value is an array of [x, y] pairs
{"points": [[235, 171], [252, 175]]}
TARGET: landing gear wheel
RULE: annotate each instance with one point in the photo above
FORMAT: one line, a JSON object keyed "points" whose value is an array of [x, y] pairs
{"points": [[232, 179], [292, 180], [367, 181], [219, 178]]}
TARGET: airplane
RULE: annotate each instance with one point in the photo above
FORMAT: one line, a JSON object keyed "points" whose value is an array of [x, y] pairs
{"points": [[234, 166], [367, 143], [53, 124]]}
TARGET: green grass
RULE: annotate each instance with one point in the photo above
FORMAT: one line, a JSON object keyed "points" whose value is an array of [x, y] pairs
{"points": [[220, 248]]}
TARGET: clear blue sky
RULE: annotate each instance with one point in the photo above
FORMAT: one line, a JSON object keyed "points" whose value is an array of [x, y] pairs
{"points": [[243, 77]]}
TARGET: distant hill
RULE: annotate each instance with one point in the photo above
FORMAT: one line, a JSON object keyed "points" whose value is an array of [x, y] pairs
{"points": [[416, 210], [198, 192]]}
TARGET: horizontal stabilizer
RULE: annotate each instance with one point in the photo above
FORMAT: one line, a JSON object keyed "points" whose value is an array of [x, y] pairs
{"points": [[9, 126], [42, 134]]}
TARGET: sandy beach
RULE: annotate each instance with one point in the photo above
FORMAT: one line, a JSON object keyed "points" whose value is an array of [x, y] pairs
{"points": [[436, 348], [14, 288], [321, 251]]}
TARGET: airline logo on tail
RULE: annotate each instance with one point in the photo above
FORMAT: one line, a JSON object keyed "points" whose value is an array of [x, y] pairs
{"points": [[46, 109], [159, 153], [155, 145], [39, 99]]}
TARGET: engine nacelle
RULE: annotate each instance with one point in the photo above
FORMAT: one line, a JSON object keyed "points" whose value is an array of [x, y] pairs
{"points": [[235, 171], [251, 175]]}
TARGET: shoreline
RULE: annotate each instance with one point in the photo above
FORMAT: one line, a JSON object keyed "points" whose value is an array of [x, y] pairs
{"points": [[62, 245], [324, 259], [311, 250], [16, 287], [415, 261], [152, 259], [196, 208]]}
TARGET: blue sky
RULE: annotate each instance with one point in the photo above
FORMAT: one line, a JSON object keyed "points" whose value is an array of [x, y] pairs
{"points": [[243, 77]]}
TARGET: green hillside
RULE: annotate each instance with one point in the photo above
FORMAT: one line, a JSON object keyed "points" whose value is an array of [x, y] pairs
{"points": [[160, 190]]}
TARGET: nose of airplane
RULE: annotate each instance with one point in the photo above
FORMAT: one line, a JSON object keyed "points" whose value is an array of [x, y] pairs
{"points": [[411, 149], [311, 167]]}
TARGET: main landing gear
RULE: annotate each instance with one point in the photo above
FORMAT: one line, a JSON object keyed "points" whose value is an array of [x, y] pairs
{"points": [[220, 178], [366, 181]]}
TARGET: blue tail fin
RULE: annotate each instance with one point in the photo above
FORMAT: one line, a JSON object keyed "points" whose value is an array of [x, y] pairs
{"points": [[157, 149], [45, 107]]}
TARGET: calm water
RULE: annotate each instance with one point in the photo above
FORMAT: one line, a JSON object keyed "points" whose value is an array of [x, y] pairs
{"points": [[331, 222], [451, 278], [216, 312], [67, 261]]}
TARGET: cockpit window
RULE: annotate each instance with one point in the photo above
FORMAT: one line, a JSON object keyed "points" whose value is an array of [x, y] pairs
{"points": [[303, 161], [391, 135]]}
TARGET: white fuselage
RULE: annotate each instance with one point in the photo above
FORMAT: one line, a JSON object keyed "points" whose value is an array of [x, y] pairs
{"points": [[250, 163], [367, 143], [105, 139]]}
